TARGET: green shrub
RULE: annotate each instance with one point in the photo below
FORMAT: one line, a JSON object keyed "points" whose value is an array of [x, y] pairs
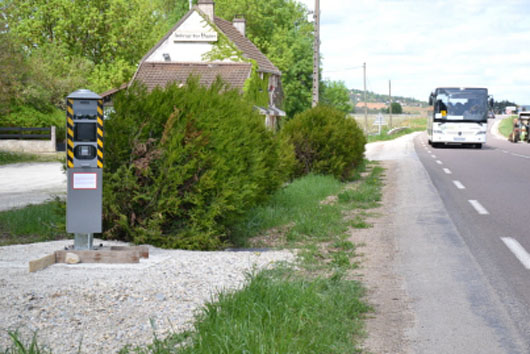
{"points": [[184, 163], [325, 142]]}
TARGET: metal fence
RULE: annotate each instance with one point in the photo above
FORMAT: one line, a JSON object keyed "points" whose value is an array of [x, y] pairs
{"points": [[25, 133]]}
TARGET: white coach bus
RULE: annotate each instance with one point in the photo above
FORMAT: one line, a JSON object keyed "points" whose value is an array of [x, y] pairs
{"points": [[460, 116]]}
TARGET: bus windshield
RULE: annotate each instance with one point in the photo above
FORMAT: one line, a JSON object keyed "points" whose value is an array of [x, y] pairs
{"points": [[461, 104]]}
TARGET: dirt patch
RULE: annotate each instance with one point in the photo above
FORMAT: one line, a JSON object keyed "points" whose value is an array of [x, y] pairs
{"points": [[273, 238], [385, 327]]}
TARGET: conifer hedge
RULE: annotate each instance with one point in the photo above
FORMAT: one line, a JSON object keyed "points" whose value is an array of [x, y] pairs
{"points": [[182, 164], [326, 142]]}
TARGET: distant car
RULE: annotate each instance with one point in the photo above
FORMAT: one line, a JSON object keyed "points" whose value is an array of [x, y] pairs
{"points": [[491, 115]]}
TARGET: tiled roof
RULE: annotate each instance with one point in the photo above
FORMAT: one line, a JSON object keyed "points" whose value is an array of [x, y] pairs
{"points": [[160, 74], [371, 105], [246, 46]]}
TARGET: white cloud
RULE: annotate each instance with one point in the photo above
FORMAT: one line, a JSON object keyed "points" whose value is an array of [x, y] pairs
{"points": [[420, 45]]}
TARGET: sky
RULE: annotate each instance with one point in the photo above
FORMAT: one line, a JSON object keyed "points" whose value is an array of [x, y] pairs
{"points": [[420, 45]]}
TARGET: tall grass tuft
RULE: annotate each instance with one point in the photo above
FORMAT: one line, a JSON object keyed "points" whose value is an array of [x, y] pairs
{"points": [[281, 315], [368, 192], [298, 204], [18, 346]]}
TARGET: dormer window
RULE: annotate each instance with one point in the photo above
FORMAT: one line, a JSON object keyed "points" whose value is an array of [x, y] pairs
{"points": [[166, 57]]}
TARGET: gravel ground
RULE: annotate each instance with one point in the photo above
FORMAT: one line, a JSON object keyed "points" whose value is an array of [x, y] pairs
{"points": [[103, 307]]}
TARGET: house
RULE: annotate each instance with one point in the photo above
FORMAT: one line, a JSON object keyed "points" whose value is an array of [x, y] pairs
{"points": [[207, 46]]}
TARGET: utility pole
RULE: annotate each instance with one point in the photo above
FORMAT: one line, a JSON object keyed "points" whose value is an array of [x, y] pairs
{"points": [[191, 4], [365, 104], [390, 107], [316, 54]]}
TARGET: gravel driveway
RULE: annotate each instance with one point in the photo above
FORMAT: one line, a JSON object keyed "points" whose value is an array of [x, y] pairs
{"points": [[30, 183], [103, 307]]}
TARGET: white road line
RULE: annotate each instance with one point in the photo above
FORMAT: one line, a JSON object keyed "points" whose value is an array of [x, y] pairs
{"points": [[439, 162], [523, 156], [433, 156], [459, 185], [478, 207], [518, 251], [448, 171], [428, 151], [505, 151]]}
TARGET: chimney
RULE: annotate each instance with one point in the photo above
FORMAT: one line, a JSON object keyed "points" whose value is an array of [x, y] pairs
{"points": [[208, 8], [240, 23]]}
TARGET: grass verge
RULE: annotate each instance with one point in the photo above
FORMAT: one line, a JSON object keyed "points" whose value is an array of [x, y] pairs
{"points": [[506, 126], [279, 314], [17, 157], [34, 223], [408, 126], [298, 205]]}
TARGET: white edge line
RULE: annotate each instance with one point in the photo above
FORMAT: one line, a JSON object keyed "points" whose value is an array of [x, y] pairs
{"points": [[448, 171], [459, 185], [518, 250], [519, 155], [478, 207], [439, 162]]}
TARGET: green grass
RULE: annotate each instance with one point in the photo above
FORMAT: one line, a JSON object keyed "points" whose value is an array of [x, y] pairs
{"points": [[298, 204], [276, 313], [16, 157], [34, 223], [368, 192], [506, 126]]}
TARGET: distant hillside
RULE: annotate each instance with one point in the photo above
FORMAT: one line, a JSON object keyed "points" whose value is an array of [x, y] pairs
{"points": [[358, 96]]}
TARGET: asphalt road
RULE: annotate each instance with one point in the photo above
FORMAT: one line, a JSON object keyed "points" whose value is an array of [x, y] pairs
{"points": [[487, 196]]}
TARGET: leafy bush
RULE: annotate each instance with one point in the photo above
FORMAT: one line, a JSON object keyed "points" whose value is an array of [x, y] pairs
{"points": [[183, 163], [325, 142]]}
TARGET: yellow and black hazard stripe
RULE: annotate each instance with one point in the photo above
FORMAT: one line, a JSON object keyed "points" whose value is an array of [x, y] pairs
{"points": [[70, 133], [99, 131]]}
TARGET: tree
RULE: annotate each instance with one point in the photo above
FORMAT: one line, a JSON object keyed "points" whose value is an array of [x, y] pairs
{"points": [[280, 29], [98, 30], [172, 10], [396, 108], [105, 39], [12, 72], [500, 106], [337, 95]]}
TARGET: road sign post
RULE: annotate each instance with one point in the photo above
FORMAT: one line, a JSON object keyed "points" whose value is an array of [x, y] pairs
{"points": [[379, 121]]}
